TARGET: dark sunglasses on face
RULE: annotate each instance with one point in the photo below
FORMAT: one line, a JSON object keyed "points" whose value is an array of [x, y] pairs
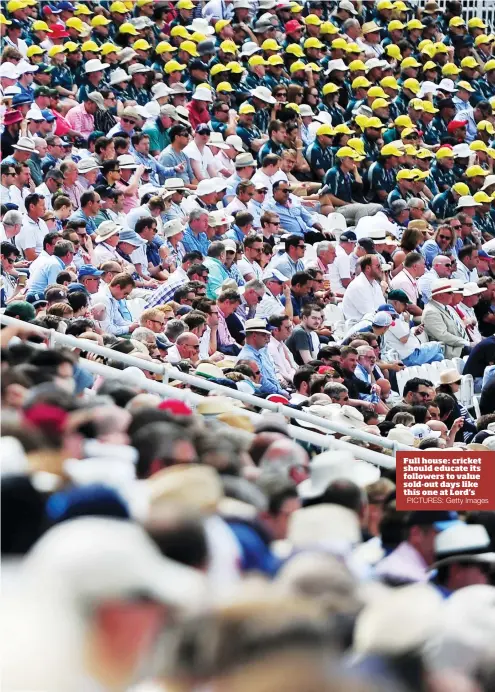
{"points": [[129, 122], [444, 237]]}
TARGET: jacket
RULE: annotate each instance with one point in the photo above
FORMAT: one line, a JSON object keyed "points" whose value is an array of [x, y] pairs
{"points": [[441, 326]]}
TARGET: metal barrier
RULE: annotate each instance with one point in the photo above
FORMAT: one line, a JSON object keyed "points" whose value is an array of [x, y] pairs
{"points": [[170, 373]]}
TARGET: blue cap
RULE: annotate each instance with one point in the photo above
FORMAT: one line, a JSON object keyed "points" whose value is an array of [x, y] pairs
{"points": [[183, 310], [89, 500], [21, 99], [89, 270], [68, 6], [387, 308], [484, 255], [350, 236], [128, 236], [48, 115], [163, 343], [54, 10], [71, 288], [11, 207]]}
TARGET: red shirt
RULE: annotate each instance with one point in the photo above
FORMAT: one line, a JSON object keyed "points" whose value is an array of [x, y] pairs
{"points": [[197, 117]]}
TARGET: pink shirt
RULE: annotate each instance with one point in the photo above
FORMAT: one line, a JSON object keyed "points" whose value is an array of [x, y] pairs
{"points": [[403, 564], [407, 283], [81, 121], [130, 201]]}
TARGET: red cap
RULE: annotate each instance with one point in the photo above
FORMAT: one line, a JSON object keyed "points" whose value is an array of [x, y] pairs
{"points": [[455, 124], [58, 31], [292, 25], [277, 399], [175, 406], [46, 416]]}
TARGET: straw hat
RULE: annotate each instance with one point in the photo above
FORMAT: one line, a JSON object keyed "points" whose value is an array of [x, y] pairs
{"points": [[323, 525], [451, 376], [194, 486]]}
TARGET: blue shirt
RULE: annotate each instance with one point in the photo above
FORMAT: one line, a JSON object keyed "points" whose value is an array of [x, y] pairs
{"points": [[294, 219], [217, 274], [79, 215], [46, 275], [170, 158], [158, 173], [285, 265], [269, 382], [192, 242], [339, 184], [236, 234]]}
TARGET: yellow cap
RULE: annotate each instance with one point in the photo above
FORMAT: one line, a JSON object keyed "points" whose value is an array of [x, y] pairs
{"points": [[142, 44], [469, 62], [428, 107], [118, 7], [490, 65], [343, 129], [461, 189], [221, 24], [384, 5], [425, 154], [409, 150], [293, 107], [425, 42], [483, 38], [357, 66], [478, 145], [429, 50], [165, 47], [445, 153], [100, 20], [189, 47], [35, 50], [414, 24], [409, 62], [486, 126], [268, 44], [15, 5], [197, 37], [395, 25], [393, 51], [174, 66], [76, 23], [295, 50], [180, 31], [90, 46], [296, 8], [406, 174], [329, 88], [81, 8], [39, 25], [71, 46], [235, 67], [314, 67], [297, 66], [128, 28], [482, 197], [328, 28], [420, 175], [475, 171], [429, 65], [403, 121], [225, 86], [255, 60], [466, 86], [205, 85], [216, 69], [401, 6], [413, 85], [361, 83], [449, 69], [107, 48], [185, 5], [349, 152], [408, 131], [476, 23], [361, 120], [379, 103], [55, 50], [325, 130], [275, 60], [389, 83], [246, 109], [313, 42], [336, 43], [377, 92], [313, 19], [230, 47], [457, 21], [416, 104], [353, 48], [375, 123], [357, 144]]}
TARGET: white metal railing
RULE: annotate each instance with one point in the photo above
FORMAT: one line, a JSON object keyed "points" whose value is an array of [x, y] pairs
{"points": [[170, 373]]}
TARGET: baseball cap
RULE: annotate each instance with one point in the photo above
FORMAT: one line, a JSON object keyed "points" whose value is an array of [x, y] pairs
{"points": [[348, 237], [400, 295], [88, 270]]}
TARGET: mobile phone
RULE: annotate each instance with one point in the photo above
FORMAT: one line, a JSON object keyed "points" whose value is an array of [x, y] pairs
{"points": [[22, 279]]}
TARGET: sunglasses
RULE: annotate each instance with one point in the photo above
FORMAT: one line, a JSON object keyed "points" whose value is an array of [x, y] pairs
{"points": [[129, 122], [444, 237], [10, 260], [285, 190]]}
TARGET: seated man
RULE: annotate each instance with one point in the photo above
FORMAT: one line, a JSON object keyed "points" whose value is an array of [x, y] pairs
{"points": [[304, 343], [257, 338]]}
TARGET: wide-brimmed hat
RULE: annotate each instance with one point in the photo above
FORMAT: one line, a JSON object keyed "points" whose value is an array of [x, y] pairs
{"points": [[172, 228], [95, 65], [126, 161], [441, 286], [244, 160], [216, 140], [332, 465], [323, 525], [13, 117], [450, 376], [174, 184], [263, 94], [472, 289], [87, 164], [402, 434], [229, 285], [256, 325], [463, 543], [349, 416], [325, 412], [214, 405], [117, 76], [106, 230], [209, 371], [25, 144], [191, 486]]}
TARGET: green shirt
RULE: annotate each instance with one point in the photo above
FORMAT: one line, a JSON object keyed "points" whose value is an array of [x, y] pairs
{"points": [[159, 137]]}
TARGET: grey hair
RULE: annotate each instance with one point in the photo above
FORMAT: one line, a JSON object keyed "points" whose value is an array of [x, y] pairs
{"points": [[334, 389], [12, 218], [216, 249], [197, 214], [256, 285], [398, 206], [324, 246], [174, 329], [348, 23], [144, 335], [415, 203]]}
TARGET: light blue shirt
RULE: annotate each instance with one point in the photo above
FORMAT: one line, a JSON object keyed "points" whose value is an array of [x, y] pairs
{"points": [[46, 274], [159, 173], [424, 285], [286, 265], [294, 219], [232, 184], [79, 215], [192, 242], [217, 275], [170, 158], [471, 127], [269, 382], [256, 210], [236, 234]]}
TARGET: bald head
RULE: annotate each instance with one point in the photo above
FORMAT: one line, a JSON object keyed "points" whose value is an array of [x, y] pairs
{"points": [[188, 345], [443, 266]]}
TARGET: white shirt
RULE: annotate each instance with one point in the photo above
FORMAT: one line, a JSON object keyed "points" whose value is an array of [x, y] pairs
{"points": [[31, 235], [45, 192], [139, 257], [204, 344], [4, 194], [205, 158], [464, 274], [270, 305], [338, 270], [18, 197], [393, 335], [266, 181], [246, 267], [234, 206], [222, 161], [285, 365], [173, 355], [361, 297]]}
